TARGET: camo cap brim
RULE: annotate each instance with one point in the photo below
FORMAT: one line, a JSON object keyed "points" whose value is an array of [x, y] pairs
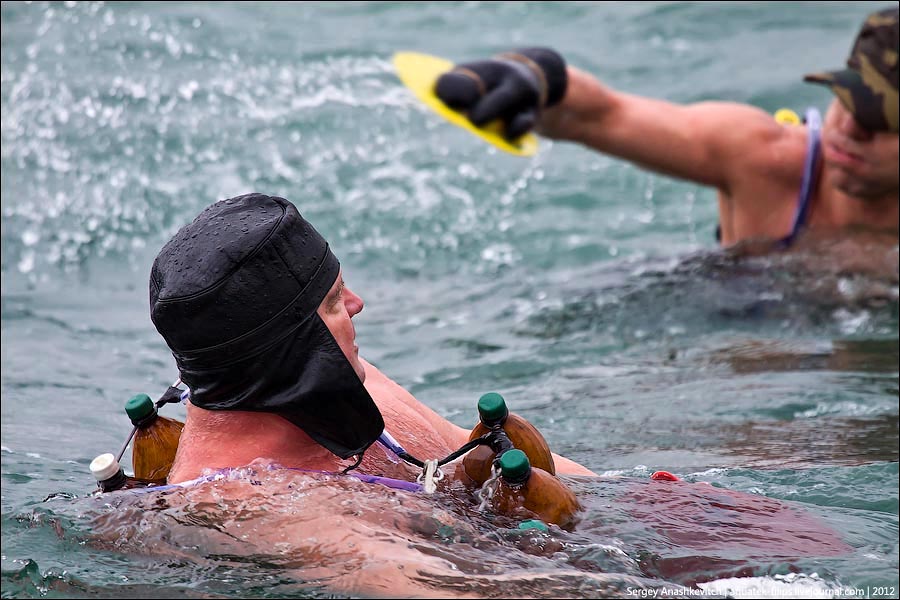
{"points": [[868, 86]]}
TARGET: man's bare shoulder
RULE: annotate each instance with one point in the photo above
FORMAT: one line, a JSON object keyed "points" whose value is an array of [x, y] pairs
{"points": [[742, 145], [403, 413], [384, 389], [755, 142]]}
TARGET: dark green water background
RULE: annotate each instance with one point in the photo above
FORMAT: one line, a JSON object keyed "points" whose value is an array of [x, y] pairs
{"points": [[590, 293]]}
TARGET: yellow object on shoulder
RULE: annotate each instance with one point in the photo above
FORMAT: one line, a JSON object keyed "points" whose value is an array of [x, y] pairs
{"points": [[420, 72], [786, 116]]}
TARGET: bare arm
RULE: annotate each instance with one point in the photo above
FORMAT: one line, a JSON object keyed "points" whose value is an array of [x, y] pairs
{"points": [[708, 142]]}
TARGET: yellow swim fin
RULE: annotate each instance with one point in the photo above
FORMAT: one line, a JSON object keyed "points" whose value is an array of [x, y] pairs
{"points": [[786, 116], [419, 72]]}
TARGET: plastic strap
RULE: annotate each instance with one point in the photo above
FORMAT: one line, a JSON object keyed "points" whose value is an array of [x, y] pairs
{"points": [[808, 186], [388, 441], [171, 395]]}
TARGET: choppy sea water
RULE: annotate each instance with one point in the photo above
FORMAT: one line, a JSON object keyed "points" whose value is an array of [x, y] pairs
{"points": [[590, 293]]}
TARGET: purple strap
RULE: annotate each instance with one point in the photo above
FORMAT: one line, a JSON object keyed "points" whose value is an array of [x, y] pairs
{"points": [[397, 484], [808, 186], [388, 441]]}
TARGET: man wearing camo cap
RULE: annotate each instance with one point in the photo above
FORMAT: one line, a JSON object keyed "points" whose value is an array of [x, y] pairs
{"points": [[775, 181], [868, 86]]}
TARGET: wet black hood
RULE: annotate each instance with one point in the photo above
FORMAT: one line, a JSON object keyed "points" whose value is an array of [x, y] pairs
{"points": [[235, 295]]}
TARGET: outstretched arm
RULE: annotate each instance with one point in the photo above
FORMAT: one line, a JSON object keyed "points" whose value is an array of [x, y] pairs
{"points": [[710, 143]]}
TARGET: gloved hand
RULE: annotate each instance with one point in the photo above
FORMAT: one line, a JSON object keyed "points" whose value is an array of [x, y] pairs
{"points": [[513, 87]]}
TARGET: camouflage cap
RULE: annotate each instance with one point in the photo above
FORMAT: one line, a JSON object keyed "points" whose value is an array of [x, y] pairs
{"points": [[868, 86]]}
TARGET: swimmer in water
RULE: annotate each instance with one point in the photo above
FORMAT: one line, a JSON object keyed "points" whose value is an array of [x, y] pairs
{"points": [[254, 307], [773, 180]]}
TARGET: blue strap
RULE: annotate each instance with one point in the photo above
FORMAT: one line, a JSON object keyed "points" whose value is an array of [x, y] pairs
{"points": [[808, 186], [388, 441]]}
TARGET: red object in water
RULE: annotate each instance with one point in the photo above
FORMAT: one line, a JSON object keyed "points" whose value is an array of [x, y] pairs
{"points": [[664, 476]]}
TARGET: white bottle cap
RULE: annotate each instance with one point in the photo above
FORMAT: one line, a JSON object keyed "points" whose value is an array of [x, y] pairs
{"points": [[104, 466]]}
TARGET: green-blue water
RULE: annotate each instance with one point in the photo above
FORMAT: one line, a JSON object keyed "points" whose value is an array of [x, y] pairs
{"points": [[587, 291]]}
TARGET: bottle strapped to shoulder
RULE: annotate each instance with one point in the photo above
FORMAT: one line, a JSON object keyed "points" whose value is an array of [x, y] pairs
{"points": [[154, 437], [503, 431]]}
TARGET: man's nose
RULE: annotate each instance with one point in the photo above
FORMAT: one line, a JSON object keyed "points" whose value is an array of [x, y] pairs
{"points": [[850, 127], [353, 302]]}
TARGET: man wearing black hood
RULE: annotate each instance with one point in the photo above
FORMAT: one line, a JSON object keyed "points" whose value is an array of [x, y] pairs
{"points": [[252, 303]]}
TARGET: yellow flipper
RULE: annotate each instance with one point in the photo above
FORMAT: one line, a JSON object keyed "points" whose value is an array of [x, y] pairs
{"points": [[786, 116], [419, 72]]}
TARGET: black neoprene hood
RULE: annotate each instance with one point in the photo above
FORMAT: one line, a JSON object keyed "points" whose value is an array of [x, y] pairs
{"points": [[235, 294]]}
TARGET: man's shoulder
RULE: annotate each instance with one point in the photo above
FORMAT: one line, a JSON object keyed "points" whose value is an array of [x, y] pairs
{"points": [[771, 165], [405, 413]]}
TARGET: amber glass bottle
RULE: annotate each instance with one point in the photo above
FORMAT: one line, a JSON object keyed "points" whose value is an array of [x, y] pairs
{"points": [[493, 413], [522, 485], [155, 441]]}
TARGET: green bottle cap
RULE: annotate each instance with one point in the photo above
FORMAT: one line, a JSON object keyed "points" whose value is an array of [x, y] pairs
{"points": [[534, 524], [514, 466], [139, 408], [492, 408]]}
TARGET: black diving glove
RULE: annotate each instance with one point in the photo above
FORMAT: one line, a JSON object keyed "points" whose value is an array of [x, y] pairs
{"points": [[513, 87]]}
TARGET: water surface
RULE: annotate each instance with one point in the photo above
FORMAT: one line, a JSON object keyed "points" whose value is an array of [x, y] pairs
{"points": [[588, 292]]}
